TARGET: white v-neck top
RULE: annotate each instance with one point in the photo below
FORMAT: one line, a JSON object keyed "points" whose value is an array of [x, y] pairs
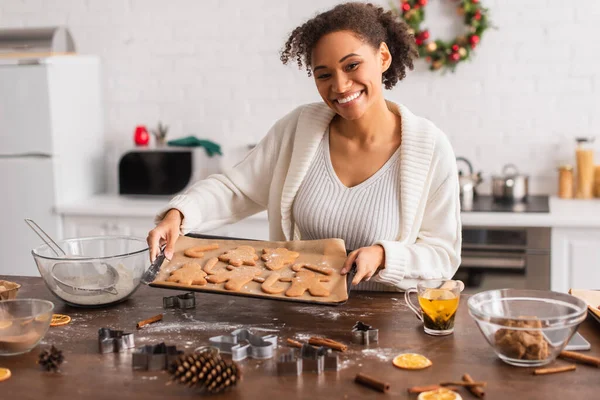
{"points": [[360, 215]]}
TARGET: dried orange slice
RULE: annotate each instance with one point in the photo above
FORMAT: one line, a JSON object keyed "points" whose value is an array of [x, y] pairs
{"points": [[4, 374], [411, 361], [439, 394], [59, 320], [5, 324]]}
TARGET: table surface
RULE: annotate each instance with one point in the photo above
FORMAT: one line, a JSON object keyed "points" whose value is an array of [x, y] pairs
{"points": [[88, 374]]}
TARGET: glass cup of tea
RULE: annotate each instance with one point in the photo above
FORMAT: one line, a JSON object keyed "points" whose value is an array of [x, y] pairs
{"points": [[438, 302]]}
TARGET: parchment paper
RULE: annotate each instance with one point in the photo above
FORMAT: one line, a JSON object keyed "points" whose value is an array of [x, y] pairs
{"points": [[591, 297], [330, 252]]}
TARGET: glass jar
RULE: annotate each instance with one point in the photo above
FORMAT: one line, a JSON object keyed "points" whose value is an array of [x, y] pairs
{"points": [[584, 155], [565, 181], [597, 181]]}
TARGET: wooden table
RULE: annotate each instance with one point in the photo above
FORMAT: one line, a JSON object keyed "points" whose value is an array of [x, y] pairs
{"points": [[88, 374]]}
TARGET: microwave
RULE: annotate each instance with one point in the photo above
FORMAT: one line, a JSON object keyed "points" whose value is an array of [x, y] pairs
{"points": [[163, 171]]}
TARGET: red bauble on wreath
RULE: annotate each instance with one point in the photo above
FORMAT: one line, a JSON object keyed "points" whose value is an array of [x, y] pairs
{"points": [[439, 53]]}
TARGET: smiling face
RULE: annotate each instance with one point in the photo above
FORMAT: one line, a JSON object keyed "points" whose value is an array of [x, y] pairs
{"points": [[348, 73]]}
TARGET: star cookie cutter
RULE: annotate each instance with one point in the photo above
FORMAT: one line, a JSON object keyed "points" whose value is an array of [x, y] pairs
{"points": [[114, 341], [310, 359], [183, 301], [154, 358], [258, 347], [364, 334]]}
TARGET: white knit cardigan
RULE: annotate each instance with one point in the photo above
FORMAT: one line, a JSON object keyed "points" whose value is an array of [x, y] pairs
{"points": [[429, 242]]}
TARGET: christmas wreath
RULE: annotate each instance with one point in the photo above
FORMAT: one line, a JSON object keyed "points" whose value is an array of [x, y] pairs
{"points": [[439, 53]]}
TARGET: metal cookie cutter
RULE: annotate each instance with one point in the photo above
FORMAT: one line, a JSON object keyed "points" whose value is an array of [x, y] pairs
{"points": [[154, 358], [259, 347], [206, 349], [364, 334], [310, 359], [289, 364], [183, 301], [113, 341]]}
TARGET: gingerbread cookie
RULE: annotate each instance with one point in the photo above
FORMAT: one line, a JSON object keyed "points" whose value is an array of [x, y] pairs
{"points": [[189, 274], [316, 268], [198, 251], [243, 255], [520, 343], [268, 283], [306, 280], [210, 264], [236, 277], [275, 259]]}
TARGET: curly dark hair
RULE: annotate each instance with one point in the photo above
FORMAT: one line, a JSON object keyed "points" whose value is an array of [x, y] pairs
{"points": [[370, 23]]}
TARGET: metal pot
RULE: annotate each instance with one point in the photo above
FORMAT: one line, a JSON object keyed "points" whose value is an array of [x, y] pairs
{"points": [[511, 186], [468, 182]]}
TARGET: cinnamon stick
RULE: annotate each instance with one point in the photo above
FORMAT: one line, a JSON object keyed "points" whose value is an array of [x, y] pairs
{"points": [[554, 370], [582, 358], [464, 384], [476, 390], [371, 382], [294, 343], [317, 341], [150, 320], [421, 389]]}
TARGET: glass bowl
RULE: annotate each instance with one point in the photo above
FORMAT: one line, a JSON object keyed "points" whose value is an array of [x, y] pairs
{"points": [[526, 328], [96, 272], [23, 323]]}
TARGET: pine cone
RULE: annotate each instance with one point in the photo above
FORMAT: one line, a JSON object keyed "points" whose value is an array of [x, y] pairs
{"points": [[207, 371], [51, 360]]}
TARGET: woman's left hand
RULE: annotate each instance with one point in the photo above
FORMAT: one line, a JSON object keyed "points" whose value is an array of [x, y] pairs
{"points": [[367, 260]]}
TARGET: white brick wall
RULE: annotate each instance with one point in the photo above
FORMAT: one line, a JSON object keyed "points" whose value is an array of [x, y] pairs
{"points": [[212, 68]]}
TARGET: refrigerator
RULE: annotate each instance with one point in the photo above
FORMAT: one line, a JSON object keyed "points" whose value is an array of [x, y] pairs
{"points": [[51, 148]]}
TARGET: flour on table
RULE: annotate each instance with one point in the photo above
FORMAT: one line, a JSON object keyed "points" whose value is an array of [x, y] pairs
{"points": [[303, 337], [346, 364], [382, 354], [331, 314]]}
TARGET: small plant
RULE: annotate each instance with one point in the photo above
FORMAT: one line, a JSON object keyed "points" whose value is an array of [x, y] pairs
{"points": [[160, 133]]}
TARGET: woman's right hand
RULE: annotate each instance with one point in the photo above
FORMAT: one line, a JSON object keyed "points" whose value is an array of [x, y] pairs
{"points": [[166, 232]]}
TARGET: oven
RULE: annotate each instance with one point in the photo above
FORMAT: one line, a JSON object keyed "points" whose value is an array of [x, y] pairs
{"points": [[505, 257]]}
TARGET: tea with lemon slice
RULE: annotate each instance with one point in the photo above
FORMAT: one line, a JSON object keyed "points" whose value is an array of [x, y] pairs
{"points": [[439, 309]]}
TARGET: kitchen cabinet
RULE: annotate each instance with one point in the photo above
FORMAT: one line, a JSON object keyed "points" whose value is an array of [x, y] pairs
{"points": [[83, 225], [575, 258], [79, 226]]}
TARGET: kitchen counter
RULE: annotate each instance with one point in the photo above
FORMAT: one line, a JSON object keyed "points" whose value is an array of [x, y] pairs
{"points": [[563, 213], [91, 375]]}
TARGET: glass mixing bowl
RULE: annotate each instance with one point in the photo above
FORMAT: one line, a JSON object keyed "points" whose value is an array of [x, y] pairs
{"points": [[96, 272], [23, 323], [526, 328]]}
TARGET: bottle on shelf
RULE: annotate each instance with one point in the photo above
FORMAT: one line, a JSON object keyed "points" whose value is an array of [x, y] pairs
{"points": [[584, 155]]}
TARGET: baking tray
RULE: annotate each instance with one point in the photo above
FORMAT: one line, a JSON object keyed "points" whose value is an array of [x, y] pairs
{"points": [[178, 259]]}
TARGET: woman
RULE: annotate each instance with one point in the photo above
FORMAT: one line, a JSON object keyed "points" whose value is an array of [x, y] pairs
{"points": [[354, 167]]}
